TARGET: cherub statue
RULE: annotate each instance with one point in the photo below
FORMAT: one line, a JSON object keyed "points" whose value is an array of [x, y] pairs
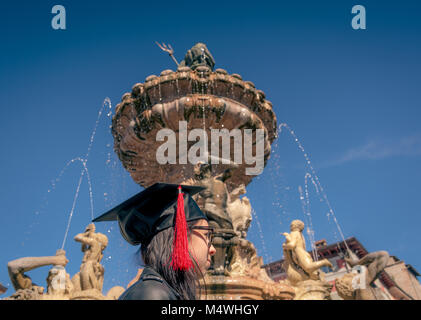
{"points": [[298, 262]]}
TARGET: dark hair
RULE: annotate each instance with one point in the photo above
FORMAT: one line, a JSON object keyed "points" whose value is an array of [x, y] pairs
{"points": [[157, 255]]}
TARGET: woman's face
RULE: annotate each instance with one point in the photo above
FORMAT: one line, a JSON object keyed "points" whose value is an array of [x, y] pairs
{"points": [[200, 246]]}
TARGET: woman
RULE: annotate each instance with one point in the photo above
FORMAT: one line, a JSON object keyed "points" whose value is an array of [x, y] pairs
{"points": [[175, 238]]}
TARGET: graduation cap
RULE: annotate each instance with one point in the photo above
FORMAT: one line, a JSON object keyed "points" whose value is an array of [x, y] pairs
{"points": [[155, 209]]}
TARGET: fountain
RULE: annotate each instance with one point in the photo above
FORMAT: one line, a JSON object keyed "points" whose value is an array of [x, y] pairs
{"points": [[197, 97], [201, 97]]}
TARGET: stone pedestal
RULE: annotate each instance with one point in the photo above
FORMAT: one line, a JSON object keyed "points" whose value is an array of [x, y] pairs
{"points": [[91, 294], [313, 290], [244, 288], [54, 297]]}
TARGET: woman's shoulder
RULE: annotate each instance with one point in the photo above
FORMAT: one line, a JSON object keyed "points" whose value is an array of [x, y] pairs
{"points": [[151, 286], [148, 290]]}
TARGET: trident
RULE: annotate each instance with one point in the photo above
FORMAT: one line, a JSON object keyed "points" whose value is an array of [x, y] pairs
{"points": [[168, 49]]}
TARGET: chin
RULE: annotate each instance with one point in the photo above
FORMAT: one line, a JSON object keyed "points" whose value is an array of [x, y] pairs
{"points": [[204, 268]]}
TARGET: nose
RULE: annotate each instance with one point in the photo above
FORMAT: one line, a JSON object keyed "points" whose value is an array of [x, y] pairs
{"points": [[212, 250]]}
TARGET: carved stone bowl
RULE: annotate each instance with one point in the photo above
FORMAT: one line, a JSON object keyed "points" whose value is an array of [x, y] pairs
{"points": [[205, 100]]}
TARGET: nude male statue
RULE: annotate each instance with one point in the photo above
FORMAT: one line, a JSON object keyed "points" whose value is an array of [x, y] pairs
{"points": [[299, 263], [375, 263], [23, 284], [18, 267], [91, 275]]}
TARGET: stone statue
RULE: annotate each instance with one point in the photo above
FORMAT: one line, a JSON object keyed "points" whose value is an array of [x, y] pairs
{"points": [[247, 263], [372, 265], [214, 202], [26, 289], [59, 283], [299, 263], [215, 198], [302, 272], [91, 275], [85, 285], [375, 263], [240, 211], [198, 55]]}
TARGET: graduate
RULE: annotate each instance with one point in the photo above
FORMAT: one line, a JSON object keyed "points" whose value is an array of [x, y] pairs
{"points": [[175, 241]]}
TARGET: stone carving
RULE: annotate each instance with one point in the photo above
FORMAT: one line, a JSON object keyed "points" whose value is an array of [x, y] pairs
{"points": [[349, 287], [85, 285], [58, 284], [245, 278], [240, 211], [225, 209], [244, 288], [224, 241], [302, 272], [91, 275], [197, 56], [246, 262], [375, 263], [201, 97], [35, 293], [215, 201], [298, 262], [215, 198]]}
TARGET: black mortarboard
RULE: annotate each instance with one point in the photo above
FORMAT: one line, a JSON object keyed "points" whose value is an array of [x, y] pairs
{"points": [[153, 210]]}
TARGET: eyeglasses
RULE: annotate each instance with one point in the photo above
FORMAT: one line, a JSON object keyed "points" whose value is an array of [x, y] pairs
{"points": [[209, 234]]}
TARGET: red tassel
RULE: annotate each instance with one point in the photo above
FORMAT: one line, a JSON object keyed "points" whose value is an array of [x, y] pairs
{"points": [[180, 255]]}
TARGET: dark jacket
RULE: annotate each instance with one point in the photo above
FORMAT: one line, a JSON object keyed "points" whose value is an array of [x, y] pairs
{"points": [[151, 286]]}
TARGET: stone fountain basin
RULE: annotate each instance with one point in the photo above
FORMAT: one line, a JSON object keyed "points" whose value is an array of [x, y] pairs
{"points": [[245, 288], [205, 99]]}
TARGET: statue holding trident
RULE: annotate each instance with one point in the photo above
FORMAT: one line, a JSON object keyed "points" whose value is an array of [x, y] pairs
{"points": [[198, 55]]}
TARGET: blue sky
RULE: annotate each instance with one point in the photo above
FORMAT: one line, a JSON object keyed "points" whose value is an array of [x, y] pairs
{"points": [[352, 98]]}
